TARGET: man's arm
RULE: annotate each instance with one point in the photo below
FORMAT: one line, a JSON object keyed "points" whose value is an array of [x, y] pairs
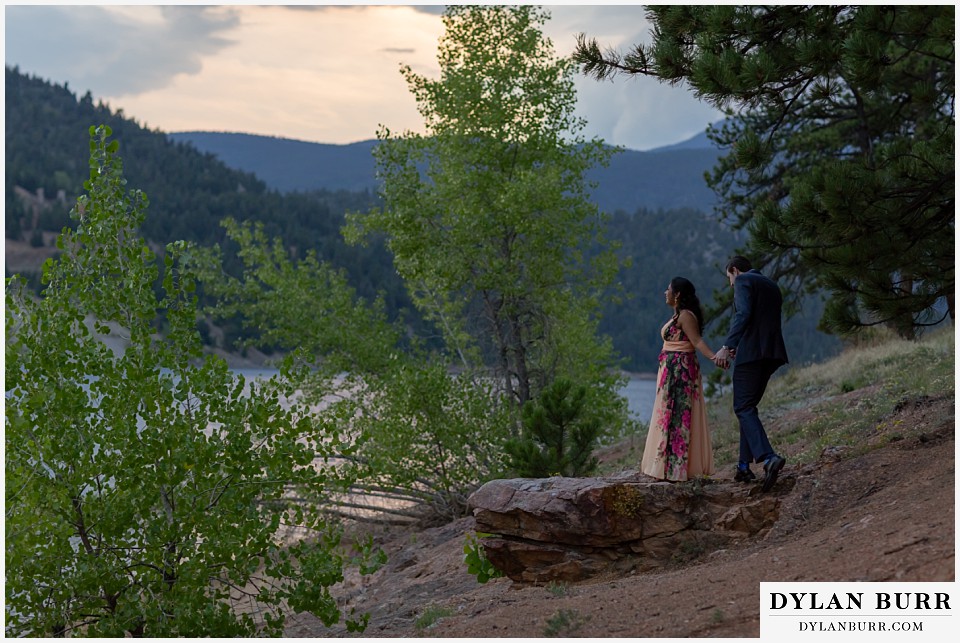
{"points": [[743, 303]]}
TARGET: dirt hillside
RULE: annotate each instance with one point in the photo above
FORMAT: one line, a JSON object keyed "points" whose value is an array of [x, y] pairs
{"points": [[887, 515]]}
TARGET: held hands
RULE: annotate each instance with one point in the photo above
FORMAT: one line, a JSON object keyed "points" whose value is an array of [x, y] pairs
{"points": [[723, 356]]}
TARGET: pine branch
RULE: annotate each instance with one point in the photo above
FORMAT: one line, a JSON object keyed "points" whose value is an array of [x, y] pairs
{"points": [[606, 65]]}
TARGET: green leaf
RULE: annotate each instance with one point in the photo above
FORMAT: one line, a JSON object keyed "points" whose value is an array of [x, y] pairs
{"points": [[150, 451]]}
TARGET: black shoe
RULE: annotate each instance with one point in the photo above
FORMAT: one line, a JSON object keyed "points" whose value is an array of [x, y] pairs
{"points": [[744, 475], [771, 469]]}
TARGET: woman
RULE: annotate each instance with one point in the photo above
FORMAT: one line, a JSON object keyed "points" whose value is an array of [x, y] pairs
{"points": [[678, 442]]}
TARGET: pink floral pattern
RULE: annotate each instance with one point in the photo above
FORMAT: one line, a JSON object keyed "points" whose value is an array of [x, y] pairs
{"points": [[678, 388]]}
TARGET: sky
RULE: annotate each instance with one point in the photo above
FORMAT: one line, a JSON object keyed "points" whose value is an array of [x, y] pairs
{"points": [[319, 73]]}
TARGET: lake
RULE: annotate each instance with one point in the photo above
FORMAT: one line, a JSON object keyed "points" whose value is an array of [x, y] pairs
{"points": [[638, 391], [640, 394]]}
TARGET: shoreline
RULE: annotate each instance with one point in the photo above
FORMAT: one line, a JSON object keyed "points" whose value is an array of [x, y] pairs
{"points": [[639, 375], [255, 359]]}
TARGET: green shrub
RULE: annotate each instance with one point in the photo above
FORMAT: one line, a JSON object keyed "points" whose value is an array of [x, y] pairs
{"points": [[146, 487], [564, 623], [431, 615], [557, 589], [476, 560], [558, 435]]}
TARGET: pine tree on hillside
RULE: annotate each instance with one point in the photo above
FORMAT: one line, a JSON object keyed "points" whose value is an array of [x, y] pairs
{"points": [[840, 157], [558, 437]]}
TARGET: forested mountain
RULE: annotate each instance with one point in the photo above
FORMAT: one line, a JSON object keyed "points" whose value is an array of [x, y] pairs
{"points": [[191, 191], [663, 244], [661, 214], [670, 177]]}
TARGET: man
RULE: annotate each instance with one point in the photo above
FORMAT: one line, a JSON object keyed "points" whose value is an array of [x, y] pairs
{"points": [[755, 342]]}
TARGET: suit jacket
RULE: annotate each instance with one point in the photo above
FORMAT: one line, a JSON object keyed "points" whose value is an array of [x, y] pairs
{"points": [[755, 332]]}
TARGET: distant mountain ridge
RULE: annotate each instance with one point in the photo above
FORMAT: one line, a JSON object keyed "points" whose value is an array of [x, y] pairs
{"points": [[663, 178], [191, 191], [290, 165], [696, 142]]}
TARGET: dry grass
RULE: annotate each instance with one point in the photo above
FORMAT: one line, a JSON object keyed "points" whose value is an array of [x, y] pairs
{"points": [[843, 401]]}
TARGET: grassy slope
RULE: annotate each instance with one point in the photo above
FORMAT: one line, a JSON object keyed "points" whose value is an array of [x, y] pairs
{"points": [[842, 402]]}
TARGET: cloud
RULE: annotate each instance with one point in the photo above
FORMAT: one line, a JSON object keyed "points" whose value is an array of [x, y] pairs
{"points": [[327, 73], [432, 9], [113, 51], [611, 25], [637, 112], [330, 76], [642, 113]]}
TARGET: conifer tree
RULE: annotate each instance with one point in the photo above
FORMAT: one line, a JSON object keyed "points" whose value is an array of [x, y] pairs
{"points": [[840, 144], [558, 435]]}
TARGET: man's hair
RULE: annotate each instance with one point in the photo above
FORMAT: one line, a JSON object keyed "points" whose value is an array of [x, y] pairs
{"points": [[740, 263]]}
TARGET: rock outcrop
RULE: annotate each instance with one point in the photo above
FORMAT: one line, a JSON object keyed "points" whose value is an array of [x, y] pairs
{"points": [[568, 529]]}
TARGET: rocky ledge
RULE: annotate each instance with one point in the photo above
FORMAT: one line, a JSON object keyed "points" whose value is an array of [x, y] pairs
{"points": [[569, 529]]}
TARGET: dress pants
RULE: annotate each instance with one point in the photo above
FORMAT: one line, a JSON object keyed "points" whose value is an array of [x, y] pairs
{"points": [[749, 383]]}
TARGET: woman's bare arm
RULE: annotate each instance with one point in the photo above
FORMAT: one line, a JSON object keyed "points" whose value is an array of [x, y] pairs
{"points": [[688, 322]]}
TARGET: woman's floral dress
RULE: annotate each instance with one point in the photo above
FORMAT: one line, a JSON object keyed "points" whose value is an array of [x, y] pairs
{"points": [[678, 442]]}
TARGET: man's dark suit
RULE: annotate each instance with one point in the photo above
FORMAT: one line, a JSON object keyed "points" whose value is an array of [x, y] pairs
{"points": [[756, 337]]}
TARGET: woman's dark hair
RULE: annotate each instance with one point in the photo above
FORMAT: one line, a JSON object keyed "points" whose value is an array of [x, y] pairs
{"points": [[740, 263], [686, 294]]}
